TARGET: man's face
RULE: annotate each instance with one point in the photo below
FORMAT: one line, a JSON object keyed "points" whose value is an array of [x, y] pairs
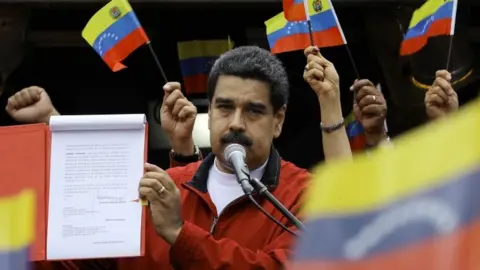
{"points": [[241, 112]]}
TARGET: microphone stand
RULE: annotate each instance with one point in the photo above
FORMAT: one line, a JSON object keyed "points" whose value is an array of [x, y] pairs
{"points": [[263, 190]]}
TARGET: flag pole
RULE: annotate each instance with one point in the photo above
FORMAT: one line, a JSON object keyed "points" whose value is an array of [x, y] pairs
{"points": [[350, 56], [449, 55], [309, 24], [310, 31], [452, 32], [157, 62], [357, 74]]}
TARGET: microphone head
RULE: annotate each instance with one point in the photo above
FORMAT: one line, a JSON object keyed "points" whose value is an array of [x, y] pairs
{"points": [[231, 149]]}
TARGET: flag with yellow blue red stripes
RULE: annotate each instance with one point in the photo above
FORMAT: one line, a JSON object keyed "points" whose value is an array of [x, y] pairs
{"points": [[413, 206], [17, 215]]}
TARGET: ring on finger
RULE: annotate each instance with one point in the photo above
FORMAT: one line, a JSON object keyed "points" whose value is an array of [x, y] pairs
{"points": [[161, 190], [306, 67], [374, 98]]}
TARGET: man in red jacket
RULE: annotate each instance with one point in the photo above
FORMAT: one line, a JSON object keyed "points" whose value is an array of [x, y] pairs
{"points": [[200, 218]]}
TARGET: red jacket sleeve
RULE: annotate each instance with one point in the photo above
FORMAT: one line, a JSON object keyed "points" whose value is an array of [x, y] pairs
{"points": [[196, 249], [174, 163]]}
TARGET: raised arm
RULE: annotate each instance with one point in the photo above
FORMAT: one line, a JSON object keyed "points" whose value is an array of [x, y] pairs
{"points": [[323, 78], [31, 105], [177, 116]]}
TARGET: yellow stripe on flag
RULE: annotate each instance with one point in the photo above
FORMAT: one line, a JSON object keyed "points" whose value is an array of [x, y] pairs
{"points": [[321, 5], [203, 48], [17, 220], [104, 19], [430, 7], [276, 23], [350, 118], [423, 158]]}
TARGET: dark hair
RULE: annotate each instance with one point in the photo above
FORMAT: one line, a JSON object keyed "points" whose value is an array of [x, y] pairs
{"points": [[252, 62]]}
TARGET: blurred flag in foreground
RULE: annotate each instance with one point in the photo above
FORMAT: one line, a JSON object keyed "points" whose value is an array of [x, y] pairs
{"points": [[434, 18], [284, 35], [17, 229], [412, 206], [114, 32], [197, 58]]}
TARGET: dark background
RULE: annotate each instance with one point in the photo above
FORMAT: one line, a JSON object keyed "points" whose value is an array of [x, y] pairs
{"points": [[80, 83]]}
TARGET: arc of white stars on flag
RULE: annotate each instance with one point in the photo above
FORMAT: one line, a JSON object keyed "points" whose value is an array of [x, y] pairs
{"points": [[103, 38], [293, 24]]}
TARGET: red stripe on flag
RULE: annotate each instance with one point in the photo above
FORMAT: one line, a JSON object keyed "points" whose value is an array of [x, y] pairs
{"points": [[358, 143], [294, 11], [437, 28], [328, 38], [124, 48], [195, 84]]}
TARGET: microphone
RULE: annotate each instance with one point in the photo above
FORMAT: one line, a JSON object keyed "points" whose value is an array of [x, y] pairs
{"points": [[235, 154]]}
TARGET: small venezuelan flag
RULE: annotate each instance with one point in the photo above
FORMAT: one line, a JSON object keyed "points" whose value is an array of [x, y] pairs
{"points": [[284, 35], [114, 32], [355, 133], [17, 229], [412, 206], [196, 60], [434, 18]]}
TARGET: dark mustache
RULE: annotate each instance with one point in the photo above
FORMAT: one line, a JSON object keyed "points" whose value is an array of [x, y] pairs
{"points": [[236, 137]]}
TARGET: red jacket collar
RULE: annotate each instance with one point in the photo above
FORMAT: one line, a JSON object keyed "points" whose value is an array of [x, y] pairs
{"points": [[270, 177]]}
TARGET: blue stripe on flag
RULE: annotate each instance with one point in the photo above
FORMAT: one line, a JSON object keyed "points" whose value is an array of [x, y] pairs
{"points": [[15, 260], [115, 33], [425, 215]]}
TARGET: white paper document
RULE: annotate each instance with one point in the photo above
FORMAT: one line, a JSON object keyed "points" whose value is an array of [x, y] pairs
{"points": [[96, 163]]}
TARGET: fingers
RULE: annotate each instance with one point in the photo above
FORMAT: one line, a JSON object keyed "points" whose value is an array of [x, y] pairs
{"points": [[179, 104], [155, 184], [171, 86], [374, 109], [444, 85], [152, 168], [311, 50], [370, 100], [175, 101], [441, 89], [183, 108], [10, 108], [172, 97], [187, 111], [366, 94], [160, 175], [24, 98], [150, 189], [358, 84], [435, 97], [315, 68], [438, 91], [444, 74], [316, 73], [317, 59]]}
